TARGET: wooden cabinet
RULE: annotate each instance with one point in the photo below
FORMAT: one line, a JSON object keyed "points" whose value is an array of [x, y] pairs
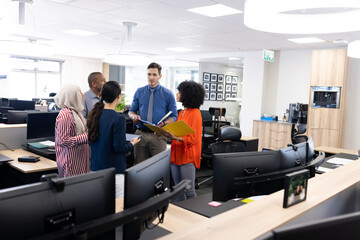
{"points": [[272, 135], [326, 125]]}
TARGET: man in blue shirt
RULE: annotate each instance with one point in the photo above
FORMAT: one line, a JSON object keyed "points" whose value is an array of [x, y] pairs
{"points": [[96, 81], [163, 101]]}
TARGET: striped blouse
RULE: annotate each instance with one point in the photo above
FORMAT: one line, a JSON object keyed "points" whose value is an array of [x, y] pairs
{"points": [[72, 151]]}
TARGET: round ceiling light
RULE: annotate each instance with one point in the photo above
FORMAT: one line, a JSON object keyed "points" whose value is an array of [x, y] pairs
{"points": [[302, 16]]}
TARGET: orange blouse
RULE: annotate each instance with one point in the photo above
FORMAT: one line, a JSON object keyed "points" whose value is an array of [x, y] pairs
{"points": [[188, 151]]}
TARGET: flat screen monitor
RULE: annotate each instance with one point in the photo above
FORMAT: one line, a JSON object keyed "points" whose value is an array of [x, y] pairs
{"points": [[41, 124], [230, 168], [16, 117], [339, 227], [22, 105], [41, 208], [142, 182]]}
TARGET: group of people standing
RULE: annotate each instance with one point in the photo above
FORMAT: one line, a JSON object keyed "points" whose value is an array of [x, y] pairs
{"points": [[90, 121]]}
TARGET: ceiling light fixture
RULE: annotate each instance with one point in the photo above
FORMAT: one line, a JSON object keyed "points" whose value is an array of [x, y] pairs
{"points": [[216, 10], [22, 9], [179, 49], [306, 40], [353, 50], [25, 48], [129, 26], [303, 16], [127, 60]]}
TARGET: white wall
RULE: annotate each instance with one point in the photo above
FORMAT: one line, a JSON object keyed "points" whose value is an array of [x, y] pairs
{"points": [[352, 127], [76, 70], [252, 90], [232, 108]]}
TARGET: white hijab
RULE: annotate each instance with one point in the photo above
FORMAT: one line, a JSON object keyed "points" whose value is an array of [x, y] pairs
{"points": [[70, 96]]}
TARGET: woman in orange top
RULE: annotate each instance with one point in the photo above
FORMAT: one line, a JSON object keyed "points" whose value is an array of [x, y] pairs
{"points": [[186, 151]]}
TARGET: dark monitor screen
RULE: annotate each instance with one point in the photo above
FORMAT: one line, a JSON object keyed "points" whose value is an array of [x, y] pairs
{"points": [[205, 115], [41, 124], [22, 105], [339, 227], [35, 209], [16, 117], [4, 102], [46, 99], [142, 182], [229, 167]]}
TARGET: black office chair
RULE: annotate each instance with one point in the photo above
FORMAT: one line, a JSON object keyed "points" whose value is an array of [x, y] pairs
{"points": [[296, 130], [228, 141]]}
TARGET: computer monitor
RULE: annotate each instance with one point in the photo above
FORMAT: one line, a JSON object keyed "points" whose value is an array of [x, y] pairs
{"points": [[339, 227], [41, 124], [142, 182], [4, 102], [231, 168], [41, 208], [16, 117], [46, 99], [22, 105], [297, 155]]}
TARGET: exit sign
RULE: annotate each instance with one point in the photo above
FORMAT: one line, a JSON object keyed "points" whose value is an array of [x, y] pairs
{"points": [[268, 55]]}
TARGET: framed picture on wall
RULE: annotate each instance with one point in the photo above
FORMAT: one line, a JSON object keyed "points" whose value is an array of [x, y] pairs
{"points": [[234, 89], [234, 80], [214, 77], [206, 86], [221, 78], [228, 79], [220, 87], [212, 96], [206, 77], [206, 96], [228, 88], [213, 87], [219, 97], [227, 95], [233, 95]]}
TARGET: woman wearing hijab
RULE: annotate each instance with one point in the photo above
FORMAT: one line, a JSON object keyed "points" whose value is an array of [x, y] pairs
{"points": [[71, 138]]}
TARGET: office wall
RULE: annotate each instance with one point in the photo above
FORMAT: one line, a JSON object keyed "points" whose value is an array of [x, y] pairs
{"points": [[352, 127], [232, 108], [76, 70], [252, 90]]}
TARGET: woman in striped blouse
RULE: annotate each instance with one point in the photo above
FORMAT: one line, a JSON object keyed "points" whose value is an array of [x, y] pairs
{"points": [[71, 138]]}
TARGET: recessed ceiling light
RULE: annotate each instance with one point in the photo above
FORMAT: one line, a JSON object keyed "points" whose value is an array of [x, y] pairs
{"points": [[179, 49], [306, 40], [216, 10], [302, 16], [234, 59], [79, 32]]}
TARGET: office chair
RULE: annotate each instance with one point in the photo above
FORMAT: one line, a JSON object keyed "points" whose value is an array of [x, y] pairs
{"points": [[228, 141], [295, 133]]}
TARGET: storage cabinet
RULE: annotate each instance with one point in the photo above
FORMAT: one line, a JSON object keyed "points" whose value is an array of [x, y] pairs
{"points": [[326, 125], [272, 135]]}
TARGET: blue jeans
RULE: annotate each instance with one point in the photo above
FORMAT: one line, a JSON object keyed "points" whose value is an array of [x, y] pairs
{"points": [[181, 172]]}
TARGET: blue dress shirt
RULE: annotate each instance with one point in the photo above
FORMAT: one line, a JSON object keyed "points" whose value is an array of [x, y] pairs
{"points": [[89, 101], [164, 101]]}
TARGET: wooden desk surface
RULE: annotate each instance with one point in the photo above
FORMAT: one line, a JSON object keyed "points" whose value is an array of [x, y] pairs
{"points": [[22, 125], [254, 219], [335, 150], [176, 218], [244, 138], [44, 164]]}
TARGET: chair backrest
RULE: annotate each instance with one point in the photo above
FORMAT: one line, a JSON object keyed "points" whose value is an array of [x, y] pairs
{"points": [[229, 141], [295, 133]]}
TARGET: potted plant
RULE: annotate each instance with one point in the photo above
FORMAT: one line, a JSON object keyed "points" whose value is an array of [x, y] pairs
{"points": [[121, 107]]}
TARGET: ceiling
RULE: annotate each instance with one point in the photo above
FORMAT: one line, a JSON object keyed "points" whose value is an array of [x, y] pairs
{"points": [[162, 24]]}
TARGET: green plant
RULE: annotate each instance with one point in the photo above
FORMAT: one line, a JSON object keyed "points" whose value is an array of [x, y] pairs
{"points": [[121, 106]]}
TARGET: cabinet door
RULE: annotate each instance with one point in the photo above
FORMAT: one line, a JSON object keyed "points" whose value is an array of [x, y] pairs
{"points": [[325, 137], [280, 135], [328, 67], [261, 130], [325, 118]]}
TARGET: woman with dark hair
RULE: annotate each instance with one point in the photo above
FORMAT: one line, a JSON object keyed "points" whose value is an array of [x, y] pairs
{"points": [[186, 151], [107, 136]]}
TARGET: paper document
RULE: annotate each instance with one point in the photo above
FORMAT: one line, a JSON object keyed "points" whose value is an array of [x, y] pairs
{"points": [[37, 145], [323, 169], [130, 137], [48, 143], [146, 122], [341, 161], [179, 128]]}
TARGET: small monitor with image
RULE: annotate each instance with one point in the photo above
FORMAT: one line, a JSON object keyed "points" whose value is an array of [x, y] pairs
{"points": [[295, 187]]}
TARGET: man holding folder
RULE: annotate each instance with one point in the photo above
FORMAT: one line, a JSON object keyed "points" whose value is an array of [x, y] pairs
{"points": [[155, 104]]}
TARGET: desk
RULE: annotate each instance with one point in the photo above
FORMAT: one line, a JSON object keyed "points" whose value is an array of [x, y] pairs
{"points": [[258, 217], [331, 150], [176, 218], [18, 173], [251, 143]]}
